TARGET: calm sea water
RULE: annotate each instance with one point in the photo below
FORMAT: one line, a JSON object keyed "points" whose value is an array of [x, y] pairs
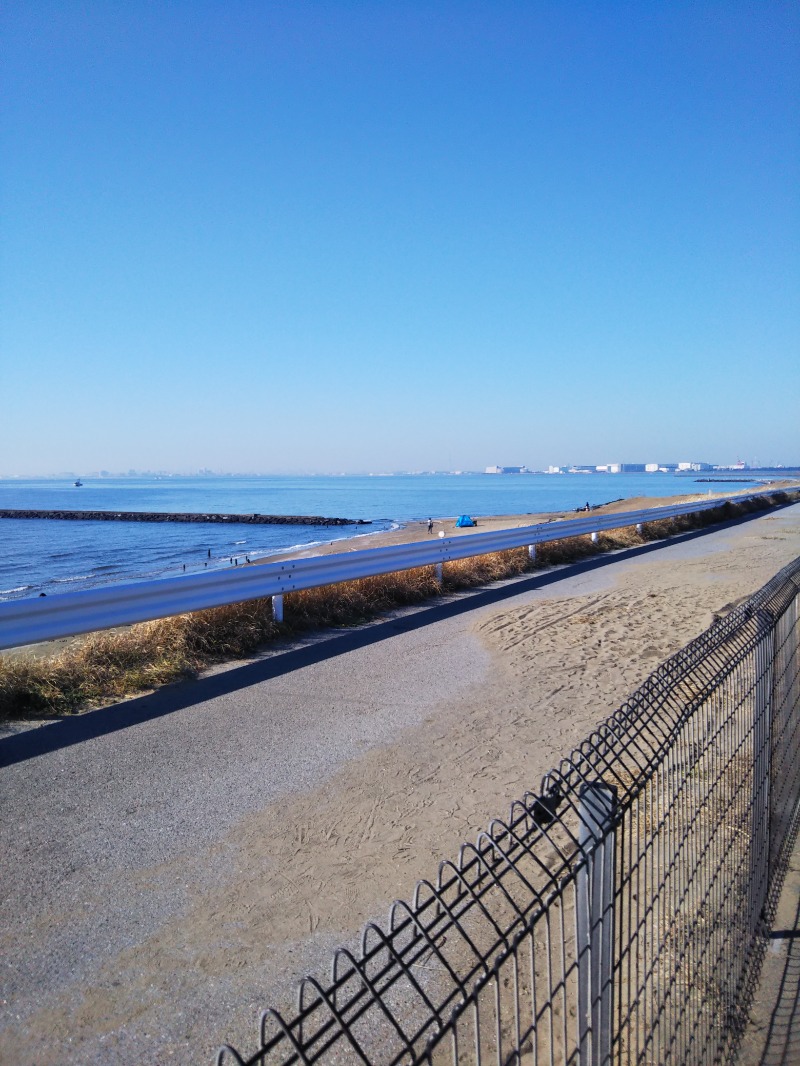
{"points": [[51, 556]]}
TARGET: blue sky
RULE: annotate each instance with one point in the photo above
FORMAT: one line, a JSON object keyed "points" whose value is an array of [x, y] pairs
{"points": [[288, 236]]}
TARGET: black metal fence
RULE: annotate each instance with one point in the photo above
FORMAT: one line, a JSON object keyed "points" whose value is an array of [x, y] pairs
{"points": [[619, 916]]}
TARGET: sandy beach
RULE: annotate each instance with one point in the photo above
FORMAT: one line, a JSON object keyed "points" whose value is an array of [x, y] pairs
{"points": [[172, 878], [409, 532]]}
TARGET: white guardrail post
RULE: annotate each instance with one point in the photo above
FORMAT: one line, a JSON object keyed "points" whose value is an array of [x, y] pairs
{"points": [[27, 621]]}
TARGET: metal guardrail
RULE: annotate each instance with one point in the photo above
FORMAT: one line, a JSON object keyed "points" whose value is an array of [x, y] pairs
{"points": [[617, 916], [27, 621]]}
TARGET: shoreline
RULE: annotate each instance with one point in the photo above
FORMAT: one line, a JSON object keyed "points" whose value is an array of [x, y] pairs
{"points": [[411, 530], [407, 531], [164, 552]]}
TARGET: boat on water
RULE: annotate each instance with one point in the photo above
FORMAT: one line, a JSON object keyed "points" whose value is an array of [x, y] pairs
{"points": [[78, 483]]}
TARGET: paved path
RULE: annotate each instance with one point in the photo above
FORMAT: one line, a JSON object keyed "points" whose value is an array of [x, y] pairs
{"points": [[773, 1033], [116, 822]]}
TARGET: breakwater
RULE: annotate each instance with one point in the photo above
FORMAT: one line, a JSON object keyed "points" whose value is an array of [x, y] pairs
{"points": [[187, 516]]}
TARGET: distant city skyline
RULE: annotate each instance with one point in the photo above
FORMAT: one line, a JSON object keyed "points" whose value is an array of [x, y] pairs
{"points": [[601, 469], [293, 237]]}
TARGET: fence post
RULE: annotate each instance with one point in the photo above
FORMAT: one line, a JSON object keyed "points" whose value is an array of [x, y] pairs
{"points": [[760, 873], [277, 608], [595, 886]]}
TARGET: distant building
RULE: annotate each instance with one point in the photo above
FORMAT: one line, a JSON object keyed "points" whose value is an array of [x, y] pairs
{"points": [[632, 468], [554, 470], [651, 468], [506, 470], [609, 468], [694, 467]]}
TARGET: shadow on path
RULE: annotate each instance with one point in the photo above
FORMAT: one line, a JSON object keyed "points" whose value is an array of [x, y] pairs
{"points": [[773, 1034], [91, 724], [783, 1035]]}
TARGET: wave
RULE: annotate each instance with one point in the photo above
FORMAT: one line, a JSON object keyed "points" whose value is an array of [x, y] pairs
{"points": [[19, 588], [290, 548], [372, 533], [306, 544]]}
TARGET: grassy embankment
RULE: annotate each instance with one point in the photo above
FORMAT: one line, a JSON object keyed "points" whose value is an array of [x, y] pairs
{"points": [[107, 666]]}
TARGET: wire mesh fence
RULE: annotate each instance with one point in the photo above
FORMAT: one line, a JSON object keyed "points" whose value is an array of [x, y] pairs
{"points": [[617, 916]]}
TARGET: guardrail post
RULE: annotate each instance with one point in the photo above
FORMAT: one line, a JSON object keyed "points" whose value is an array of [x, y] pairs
{"points": [[594, 922], [639, 528], [532, 552], [439, 573], [595, 537], [277, 608]]}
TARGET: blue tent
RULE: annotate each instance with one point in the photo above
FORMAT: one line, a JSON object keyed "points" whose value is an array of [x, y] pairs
{"points": [[465, 520]]}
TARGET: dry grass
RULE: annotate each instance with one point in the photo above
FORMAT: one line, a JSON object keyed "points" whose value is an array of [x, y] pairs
{"points": [[108, 666]]}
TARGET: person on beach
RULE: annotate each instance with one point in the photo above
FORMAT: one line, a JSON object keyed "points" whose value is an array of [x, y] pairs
{"points": [[430, 525]]}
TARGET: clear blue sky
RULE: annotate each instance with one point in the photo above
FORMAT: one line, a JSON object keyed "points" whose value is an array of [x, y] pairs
{"points": [[288, 236]]}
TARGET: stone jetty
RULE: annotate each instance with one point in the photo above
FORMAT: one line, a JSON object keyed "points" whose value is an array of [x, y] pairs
{"points": [[188, 516]]}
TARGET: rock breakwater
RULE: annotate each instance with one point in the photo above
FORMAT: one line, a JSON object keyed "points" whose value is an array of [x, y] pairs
{"points": [[187, 516]]}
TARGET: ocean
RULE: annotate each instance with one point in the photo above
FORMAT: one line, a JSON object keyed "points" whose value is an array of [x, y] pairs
{"points": [[39, 555]]}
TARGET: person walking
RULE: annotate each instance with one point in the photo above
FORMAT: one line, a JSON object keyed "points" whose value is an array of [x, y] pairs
{"points": [[430, 525]]}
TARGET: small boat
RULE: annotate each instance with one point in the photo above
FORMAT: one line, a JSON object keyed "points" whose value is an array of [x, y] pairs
{"points": [[78, 483]]}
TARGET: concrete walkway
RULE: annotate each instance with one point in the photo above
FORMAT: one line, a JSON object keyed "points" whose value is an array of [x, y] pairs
{"points": [[773, 1033]]}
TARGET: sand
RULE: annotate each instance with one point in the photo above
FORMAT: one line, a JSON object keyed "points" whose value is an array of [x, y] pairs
{"points": [[410, 532], [265, 896]]}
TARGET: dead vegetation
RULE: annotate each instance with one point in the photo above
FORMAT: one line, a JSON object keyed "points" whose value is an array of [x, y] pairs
{"points": [[110, 665]]}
